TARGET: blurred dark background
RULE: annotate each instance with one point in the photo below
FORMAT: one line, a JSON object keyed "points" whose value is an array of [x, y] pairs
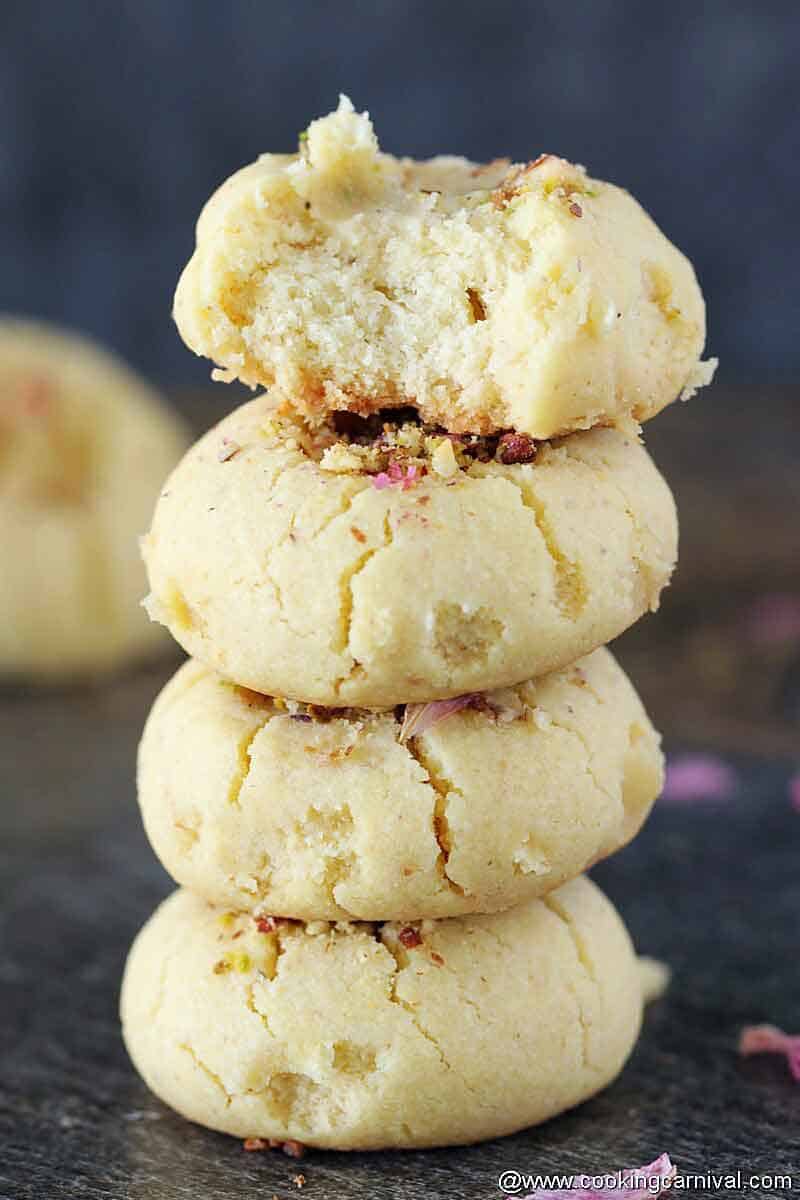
{"points": [[118, 120]]}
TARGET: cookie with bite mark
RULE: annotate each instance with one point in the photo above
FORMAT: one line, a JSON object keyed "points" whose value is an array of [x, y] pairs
{"points": [[529, 297]]}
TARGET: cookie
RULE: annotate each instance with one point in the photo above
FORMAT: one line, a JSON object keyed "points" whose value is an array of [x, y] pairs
{"points": [[527, 296], [299, 567], [364, 1036], [84, 446], [362, 814]]}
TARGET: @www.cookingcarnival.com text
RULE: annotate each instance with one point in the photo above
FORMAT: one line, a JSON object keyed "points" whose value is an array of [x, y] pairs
{"points": [[520, 1184]]}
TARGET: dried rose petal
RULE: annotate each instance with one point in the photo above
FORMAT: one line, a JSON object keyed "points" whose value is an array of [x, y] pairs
{"points": [[768, 1039], [396, 475], [420, 717], [699, 777], [774, 618], [794, 792], [630, 1184], [409, 937], [405, 478]]}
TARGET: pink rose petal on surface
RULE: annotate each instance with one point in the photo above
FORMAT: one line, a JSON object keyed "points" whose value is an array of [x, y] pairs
{"points": [[699, 777], [381, 481], [768, 1039], [630, 1184], [774, 618], [420, 717], [794, 792]]}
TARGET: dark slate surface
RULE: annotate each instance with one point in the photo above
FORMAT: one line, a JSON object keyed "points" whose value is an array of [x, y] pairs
{"points": [[713, 889]]}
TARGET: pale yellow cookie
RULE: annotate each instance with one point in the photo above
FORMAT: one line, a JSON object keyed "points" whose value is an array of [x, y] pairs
{"points": [[364, 1036], [530, 297], [84, 446], [293, 571], [267, 805]]}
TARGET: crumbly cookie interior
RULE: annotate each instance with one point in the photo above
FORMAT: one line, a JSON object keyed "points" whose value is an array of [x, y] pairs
{"points": [[486, 296]]}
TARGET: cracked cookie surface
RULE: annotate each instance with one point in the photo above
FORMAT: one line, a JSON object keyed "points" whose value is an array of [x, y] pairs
{"points": [[356, 1036], [280, 808], [497, 296], [84, 445], [296, 572]]}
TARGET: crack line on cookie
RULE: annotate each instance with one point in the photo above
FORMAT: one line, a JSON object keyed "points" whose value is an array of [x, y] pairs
{"points": [[586, 964], [346, 583], [407, 1007], [394, 998], [245, 761], [570, 585], [215, 1079], [588, 767], [441, 787]]}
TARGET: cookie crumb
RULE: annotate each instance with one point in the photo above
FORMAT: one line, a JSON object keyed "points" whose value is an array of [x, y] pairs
{"points": [[444, 460], [291, 1148], [299, 1180]]}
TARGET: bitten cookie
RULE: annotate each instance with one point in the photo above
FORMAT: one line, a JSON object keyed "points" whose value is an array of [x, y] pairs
{"points": [[365, 1036], [84, 446], [529, 297], [346, 574], [353, 813]]}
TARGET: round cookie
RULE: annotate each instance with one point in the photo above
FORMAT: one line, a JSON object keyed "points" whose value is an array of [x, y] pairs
{"points": [[363, 1036], [279, 560], [503, 296], [259, 804], [84, 446]]}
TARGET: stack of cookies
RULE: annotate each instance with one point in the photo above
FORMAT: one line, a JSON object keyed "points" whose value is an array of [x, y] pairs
{"points": [[399, 741]]}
